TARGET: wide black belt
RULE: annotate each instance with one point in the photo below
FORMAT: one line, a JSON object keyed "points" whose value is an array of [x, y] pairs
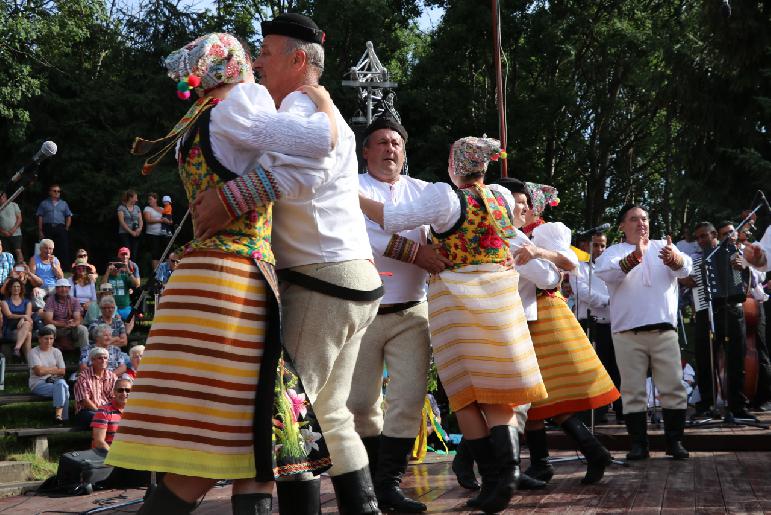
{"points": [[387, 309], [327, 288], [653, 327]]}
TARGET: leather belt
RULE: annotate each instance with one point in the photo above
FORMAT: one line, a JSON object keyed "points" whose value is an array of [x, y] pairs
{"points": [[387, 309]]}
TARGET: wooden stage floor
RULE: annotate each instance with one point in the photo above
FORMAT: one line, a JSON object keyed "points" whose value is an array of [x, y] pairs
{"points": [[710, 482]]}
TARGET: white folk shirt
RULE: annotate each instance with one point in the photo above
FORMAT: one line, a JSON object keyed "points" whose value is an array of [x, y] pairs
{"points": [[598, 300], [408, 282], [647, 295], [765, 244], [318, 218]]}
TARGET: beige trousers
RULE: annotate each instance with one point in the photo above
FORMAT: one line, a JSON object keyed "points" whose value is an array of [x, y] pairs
{"points": [[659, 350], [322, 335], [401, 341]]}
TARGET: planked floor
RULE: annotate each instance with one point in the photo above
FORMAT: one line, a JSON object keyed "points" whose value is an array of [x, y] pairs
{"points": [[710, 482]]}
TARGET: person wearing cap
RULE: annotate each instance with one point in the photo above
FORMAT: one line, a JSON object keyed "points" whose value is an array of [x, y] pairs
{"points": [[330, 289], [641, 275], [82, 282], [94, 311], [10, 227], [46, 374], [62, 313], [93, 388], [399, 336], [482, 347], [217, 321], [53, 221], [45, 268], [168, 215], [123, 275]]}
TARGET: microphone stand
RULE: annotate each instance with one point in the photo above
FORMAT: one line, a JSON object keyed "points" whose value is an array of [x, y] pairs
{"points": [[32, 177], [728, 419]]}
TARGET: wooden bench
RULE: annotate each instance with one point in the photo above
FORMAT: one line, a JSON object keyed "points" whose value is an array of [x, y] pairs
{"points": [[39, 436], [13, 398]]}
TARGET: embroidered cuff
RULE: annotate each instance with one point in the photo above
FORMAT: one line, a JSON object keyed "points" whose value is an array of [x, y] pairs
{"points": [[402, 249], [677, 262], [251, 190], [628, 262]]}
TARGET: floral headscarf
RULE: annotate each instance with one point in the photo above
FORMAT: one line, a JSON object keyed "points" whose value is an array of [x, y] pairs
{"points": [[542, 195], [471, 155], [216, 59]]}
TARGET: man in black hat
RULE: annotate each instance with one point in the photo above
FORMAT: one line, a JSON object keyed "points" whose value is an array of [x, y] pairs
{"points": [[399, 336], [330, 289]]}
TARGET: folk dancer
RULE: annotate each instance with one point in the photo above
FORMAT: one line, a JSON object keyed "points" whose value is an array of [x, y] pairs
{"points": [[482, 349], [201, 408], [641, 275]]}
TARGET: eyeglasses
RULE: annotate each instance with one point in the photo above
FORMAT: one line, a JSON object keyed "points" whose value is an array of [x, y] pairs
{"points": [[56, 191], [82, 255], [174, 260], [99, 357], [123, 390]]}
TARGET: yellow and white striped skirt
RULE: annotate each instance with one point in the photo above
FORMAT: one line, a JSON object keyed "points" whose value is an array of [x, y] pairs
{"points": [[480, 339], [192, 406]]}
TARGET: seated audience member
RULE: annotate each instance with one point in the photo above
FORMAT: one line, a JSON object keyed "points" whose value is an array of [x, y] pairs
{"points": [[44, 268], [123, 275], [93, 387], [7, 263], [46, 374], [62, 313], [17, 318], [94, 310], [20, 272], [135, 358], [108, 316], [116, 360], [81, 254], [83, 287], [106, 420], [166, 268]]}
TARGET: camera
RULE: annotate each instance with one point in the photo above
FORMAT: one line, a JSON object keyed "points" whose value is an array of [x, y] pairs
{"points": [[135, 226], [118, 265]]}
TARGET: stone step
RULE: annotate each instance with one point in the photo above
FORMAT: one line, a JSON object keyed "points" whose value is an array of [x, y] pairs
{"points": [[18, 488], [11, 471]]}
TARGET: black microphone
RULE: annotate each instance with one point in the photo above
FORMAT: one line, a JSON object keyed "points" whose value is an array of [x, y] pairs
{"points": [[47, 150], [725, 8], [595, 230]]}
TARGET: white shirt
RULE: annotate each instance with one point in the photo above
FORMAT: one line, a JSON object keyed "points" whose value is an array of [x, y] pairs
{"points": [[153, 228], [317, 219], [689, 248], [408, 282], [437, 205], [648, 293], [598, 300], [765, 244]]}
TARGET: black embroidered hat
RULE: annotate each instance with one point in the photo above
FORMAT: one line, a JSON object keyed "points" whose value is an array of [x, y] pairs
{"points": [[386, 122], [295, 26]]}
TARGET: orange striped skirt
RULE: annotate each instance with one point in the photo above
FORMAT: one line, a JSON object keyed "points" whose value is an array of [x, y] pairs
{"points": [[192, 407], [574, 376], [479, 336]]}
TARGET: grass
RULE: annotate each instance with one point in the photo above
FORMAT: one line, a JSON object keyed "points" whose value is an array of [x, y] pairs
{"points": [[42, 468]]}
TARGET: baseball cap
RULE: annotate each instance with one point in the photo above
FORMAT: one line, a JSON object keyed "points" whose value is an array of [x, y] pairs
{"points": [[166, 198], [63, 282], [124, 250], [105, 287]]}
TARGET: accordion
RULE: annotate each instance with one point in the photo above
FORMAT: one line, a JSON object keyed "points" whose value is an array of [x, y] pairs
{"points": [[718, 281]]}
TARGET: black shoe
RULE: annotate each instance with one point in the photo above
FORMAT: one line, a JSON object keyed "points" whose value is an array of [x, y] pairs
{"points": [[637, 427], [539, 468], [164, 501], [482, 452], [463, 467], [763, 407], [354, 492], [597, 456], [372, 445], [58, 421], [505, 442], [530, 483], [674, 426], [392, 463], [744, 414], [252, 504], [702, 414], [299, 497]]}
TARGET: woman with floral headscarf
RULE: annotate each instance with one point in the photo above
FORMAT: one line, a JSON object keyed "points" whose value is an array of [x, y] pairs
{"points": [[574, 376], [479, 335], [203, 407]]}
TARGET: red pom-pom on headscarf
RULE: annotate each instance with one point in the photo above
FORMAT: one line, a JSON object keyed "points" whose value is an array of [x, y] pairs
{"points": [[194, 81]]}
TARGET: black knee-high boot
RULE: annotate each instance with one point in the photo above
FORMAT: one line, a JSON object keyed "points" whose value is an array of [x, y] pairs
{"points": [[637, 427], [372, 445], [392, 464], [355, 493], [463, 467], [505, 442], [539, 468], [165, 502], [674, 426], [597, 456], [299, 497], [251, 504]]}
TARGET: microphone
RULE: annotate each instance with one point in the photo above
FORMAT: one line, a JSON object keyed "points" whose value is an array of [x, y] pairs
{"points": [[47, 150], [595, 230], [725, 8]]}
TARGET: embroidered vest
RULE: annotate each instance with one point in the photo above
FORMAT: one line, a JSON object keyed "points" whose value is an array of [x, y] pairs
{"points": [[199, 169], [479, 235]]}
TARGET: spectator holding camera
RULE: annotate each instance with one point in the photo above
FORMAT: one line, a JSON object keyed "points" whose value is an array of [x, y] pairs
{"points": [[82, 282], [130, 222], [17, 318], [46, 374], [63, 314], [103, 338], [53, 221], [109, 317], [10, 227], [45, 268], [123, 275], [81, 257]]}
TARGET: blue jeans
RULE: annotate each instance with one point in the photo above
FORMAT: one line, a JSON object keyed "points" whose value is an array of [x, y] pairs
{"points": [[60, 392]]}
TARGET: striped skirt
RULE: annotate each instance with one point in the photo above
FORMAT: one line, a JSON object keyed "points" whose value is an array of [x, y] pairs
{"points": [[479, 335], [574, 376], [192, 406]]}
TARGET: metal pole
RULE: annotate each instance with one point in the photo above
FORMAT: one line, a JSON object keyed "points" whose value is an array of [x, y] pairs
{"points": [[500, 94]]}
